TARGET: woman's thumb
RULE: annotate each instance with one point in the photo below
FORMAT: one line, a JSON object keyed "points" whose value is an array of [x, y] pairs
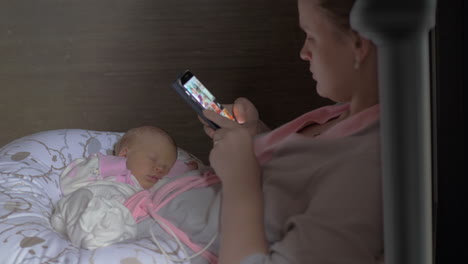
{"points": [[239, 110]]}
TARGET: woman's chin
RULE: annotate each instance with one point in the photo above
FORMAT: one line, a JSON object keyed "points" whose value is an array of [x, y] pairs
{"points": [[320, 91], [325, 93]]}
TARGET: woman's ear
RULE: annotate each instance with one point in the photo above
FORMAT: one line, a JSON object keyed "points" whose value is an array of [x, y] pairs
{"points": [[123, 152], [362, 47]]}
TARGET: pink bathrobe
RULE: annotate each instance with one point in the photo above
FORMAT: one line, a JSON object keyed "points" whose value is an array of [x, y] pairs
{"points": [[323, 197]]}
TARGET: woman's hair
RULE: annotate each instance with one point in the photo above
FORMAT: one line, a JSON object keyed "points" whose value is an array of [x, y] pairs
{"points": [[134, 132], [339, 11]]}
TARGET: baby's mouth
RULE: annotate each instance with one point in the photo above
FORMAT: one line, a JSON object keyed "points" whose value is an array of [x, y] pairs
{"points": [[153, 178]]}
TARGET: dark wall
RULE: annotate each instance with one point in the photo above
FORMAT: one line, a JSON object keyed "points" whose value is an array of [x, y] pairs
{"points": [[450, 112], [108, 64]]}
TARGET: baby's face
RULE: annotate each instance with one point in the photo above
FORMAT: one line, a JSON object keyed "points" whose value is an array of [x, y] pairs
{"points": [[149, 158]]}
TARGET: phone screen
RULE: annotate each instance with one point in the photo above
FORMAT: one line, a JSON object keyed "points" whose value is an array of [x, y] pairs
{"points": [[198, 92]]}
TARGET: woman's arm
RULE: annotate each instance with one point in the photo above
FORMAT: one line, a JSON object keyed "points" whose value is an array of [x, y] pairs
{"points": [[242, 229], [234, 161]]}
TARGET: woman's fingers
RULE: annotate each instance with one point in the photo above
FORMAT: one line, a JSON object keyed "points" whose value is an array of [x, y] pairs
{"points": [[207, 128], [219, 119], [238, 109], [228, 107], [217, 136], [202, 121], [245, 110], [239, 113]]}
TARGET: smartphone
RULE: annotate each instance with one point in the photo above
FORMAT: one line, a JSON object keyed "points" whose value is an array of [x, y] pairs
{"points": [[198, 97]]}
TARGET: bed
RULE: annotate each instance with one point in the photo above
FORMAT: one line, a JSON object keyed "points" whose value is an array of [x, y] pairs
{"points": [[29, 189]]}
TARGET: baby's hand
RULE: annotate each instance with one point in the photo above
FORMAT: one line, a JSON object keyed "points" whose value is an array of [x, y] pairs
{"points": [[192, 165]]}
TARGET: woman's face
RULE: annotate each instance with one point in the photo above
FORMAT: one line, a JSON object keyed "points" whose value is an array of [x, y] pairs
{"points": [[329, 52]]}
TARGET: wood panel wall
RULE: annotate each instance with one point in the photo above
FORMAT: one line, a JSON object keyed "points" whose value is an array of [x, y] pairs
{"points": [[108, 64]]}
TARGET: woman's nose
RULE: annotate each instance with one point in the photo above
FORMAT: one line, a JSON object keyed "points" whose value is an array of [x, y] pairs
{"points": [[305, 54]]}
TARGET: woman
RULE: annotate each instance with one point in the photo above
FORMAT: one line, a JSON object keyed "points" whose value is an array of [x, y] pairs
{"points": [[308, 191]]}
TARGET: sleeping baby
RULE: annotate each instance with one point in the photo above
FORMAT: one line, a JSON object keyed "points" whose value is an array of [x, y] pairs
{"points": [[100, 184], [142, 191]]}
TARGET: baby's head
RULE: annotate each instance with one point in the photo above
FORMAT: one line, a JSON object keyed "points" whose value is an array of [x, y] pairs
{"points": [[150, 153]]}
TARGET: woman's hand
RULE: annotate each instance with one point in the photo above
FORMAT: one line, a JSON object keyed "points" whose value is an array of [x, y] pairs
{"points": [[245, 113], [232, 155]]}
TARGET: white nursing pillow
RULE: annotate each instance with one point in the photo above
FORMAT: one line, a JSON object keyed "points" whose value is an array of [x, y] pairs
{"points": [[29, 189]]}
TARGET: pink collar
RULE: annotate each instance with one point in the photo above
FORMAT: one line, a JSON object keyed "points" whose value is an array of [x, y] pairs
{"points": [[353, 123], [265, 144]]}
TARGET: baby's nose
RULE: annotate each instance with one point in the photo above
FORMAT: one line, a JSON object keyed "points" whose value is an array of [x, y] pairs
{"points": [[158, 169]]}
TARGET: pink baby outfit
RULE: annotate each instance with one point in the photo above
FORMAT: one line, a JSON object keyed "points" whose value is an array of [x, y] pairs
{"points": [[145, 204], [92, 213], [97, 167], [114, 166], [322, 195]]}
